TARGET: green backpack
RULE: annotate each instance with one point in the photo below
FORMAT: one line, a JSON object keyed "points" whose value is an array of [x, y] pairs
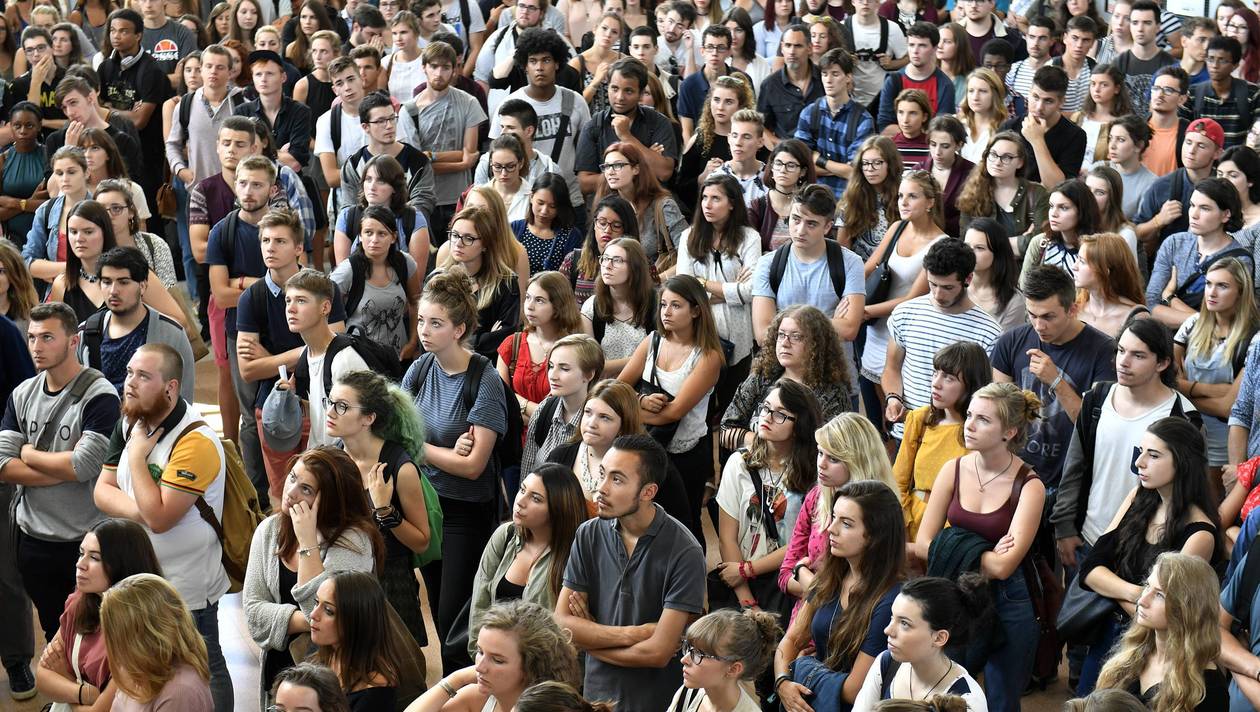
{"points": [[432, 505]]}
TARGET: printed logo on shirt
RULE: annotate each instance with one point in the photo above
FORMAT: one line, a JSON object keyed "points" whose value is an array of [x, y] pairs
{"points": [[165, 51], [549, 126]]}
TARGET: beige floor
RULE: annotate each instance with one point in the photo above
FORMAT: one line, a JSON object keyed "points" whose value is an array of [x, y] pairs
{"points": [[243, 655]]}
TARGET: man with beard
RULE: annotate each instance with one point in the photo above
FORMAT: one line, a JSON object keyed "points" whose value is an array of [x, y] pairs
{"points": [[787, 91], [53, 440], [634, 579], [920, 327], [109, 338], [626, 121], [677, 41], [160, 432]]}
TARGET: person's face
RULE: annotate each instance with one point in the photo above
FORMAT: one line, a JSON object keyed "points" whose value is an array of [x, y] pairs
{"points": [[89, 568], [123, 294], [873, 166], [834, 81], [543, 205], [505, 166], [947, 389], [267, 41], [1220, 291], [1232, 173], [1143, 26], [1084, 270], [1152, 611], [920, 51], [745, 140], [268, 78], [1077, 7], [1101, 190], [70, 176], [946, 290], [77, 107], [977, 10], [1195, 46], [805, 228], [1120, 146], [25, 126], [832, 471], [1044, 105], [1220, 64], [246, 16], [616, 7], [846, 535], [237, 64], [912, 201], [600, 424], [943, 149], [1038, 41], [308, 21], [676, 312], [376, 238], [819, 39], [564, 372], [1206, 217], [322, 53], [1063, 215], [608, 34], [619, 171], [382, 125], [354, 421], [291, 697], [643, 49], [982, 428], [910, 638], [431, 19], [36, 48], [1156, 467], [1166, 94], [789, 345], [948, 48], [1136, 364], [348, 86], [979, 244], [147, 8], [623, 93], [716, 51], [608, 227], [223, 23], [979, 95], [910, 119], [462, 231], [498, 662], [215, 70], [280, 247], [1237, 28], [324, 615], [232, 147], [530, 508], [436, 329], [303, 310], [785, 170], [376, 191], [1223, 13], [674, 27], [1002, 160], [723, 105], [541, 69], [1120, 17], [368, 35], [528, 13], [1050, 319], [621, 491], [86, 237], [49, 344], [1077, 44], [794, 48], [715, 205], [369, 70], [770, 413], [146, 394], [252, 190], [538, 307], [737, 35], [61, 45]]}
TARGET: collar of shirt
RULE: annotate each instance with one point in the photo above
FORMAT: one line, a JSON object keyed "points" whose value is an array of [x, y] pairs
{"points": [[271, 284]]}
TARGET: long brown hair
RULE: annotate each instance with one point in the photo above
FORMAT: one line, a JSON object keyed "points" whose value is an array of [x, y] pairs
{"points": [[366, 644], [826, 364], [125, 550], [343, 506], [860, 203], [976, 198], [703, 329], [22, 295], [647, 189], [641, 290], [566, 509], [700, 239], [802, 470], [1114, 266]]}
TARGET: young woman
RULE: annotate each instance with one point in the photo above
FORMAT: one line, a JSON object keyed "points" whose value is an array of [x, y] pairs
{"points": [[769, 31], [67, 52], [681, 362], [91, 234], [1244, 26], [309, 687], [707, 148], [509, 167], [790, 167], [489, 258], [1073, 211], [982, 112], [157, 658], [488, 199], [612, 219], [707, 12], [526, 556], [869, 204], [806, 351], [197, 26], [384, 184], [246, 15], [90, 15], [998, 189], [17, 290], [593, 64], [1117, 40], [74, 667], [402, 68], [908, 12], [933, 434], [1108, 189], [1241, 167], [189, 71], [381, 282], [760, 496], [47, 244], [993, 493], [1211, 348], [316, 88], [824, 34], [848, 604], [744, 55], [660, 222], [1170, 509], [117, 198], [518, 645], [623, 308], [219, 23], [1107, 100], [105, 162], [950, 170], [954, 57], [459, 442], [380, 430], [849, 450], [995, 282], [323, 525], [721, 250], [1168, 655], [22, 189], [722, 652], [313, 18], [240, 57], [911, 139], [549, 229], [550, 315], [350, 626], [903, 248], [574, 365], [1109, 290], [929, 614]]}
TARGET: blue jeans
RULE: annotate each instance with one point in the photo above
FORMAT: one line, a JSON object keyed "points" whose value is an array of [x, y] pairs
{"points": [[185, 247], [207, 622], [1008, 667]]}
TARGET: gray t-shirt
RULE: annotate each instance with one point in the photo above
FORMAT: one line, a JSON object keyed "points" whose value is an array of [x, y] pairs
{"points": [[168, 44], [1135, 185], [381, 311], [440, 127]]}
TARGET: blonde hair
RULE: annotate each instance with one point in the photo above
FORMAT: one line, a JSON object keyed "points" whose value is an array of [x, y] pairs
{"points": [[149, 634], [852, 439], [931, 190], [590, 357], [545, 650], [998, 87], [707, 126], [749, 636], [1016, 408], [1242, 325], [499, 257], [1191, 592]]}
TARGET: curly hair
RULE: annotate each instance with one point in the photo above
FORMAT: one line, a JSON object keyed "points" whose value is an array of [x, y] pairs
{"points": [[537, 40], [743, 94], [861, 200], [546, 653], [825, 361]]}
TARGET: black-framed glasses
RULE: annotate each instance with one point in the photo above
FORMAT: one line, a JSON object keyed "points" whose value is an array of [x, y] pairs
{"points": [[693, 653], [619, 165], [386, 120], [340, 407], [874, 165], [1166, 91], [465, 240], [792, 337], [1004, 159], [116, 210], [508, 168], [606, 224], [612, 260], [777, 417], [785, 165]]}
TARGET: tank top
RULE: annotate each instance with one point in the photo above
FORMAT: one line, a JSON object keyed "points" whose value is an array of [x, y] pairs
{"points": [[319, 96], [990, 525]]}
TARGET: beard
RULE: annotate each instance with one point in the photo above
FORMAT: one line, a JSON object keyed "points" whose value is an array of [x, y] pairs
{"points": [[147, 411]]}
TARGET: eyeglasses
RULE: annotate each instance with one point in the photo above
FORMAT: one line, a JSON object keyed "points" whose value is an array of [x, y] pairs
{"points": [[465, 240], [339, 407], [1004, 159], [1166, 91], [387, 120], [508, 168], [697, 657], [792, 337], [35, 50], [1219, 60], [606, 224], [785, 166], [715, 48], [612, 261], [874, 165], [527, 8], [619, 165], [777, 417], [115, 210]]}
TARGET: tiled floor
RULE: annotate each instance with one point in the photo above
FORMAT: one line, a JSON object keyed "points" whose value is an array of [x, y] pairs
{"points": [[243, 655]]}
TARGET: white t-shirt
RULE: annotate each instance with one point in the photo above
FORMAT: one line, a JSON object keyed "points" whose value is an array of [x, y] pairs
{"points": [[476, 22], [347, 361], [868, 76], [549, 113], [352, 135], [963, 685], [734, 497]]}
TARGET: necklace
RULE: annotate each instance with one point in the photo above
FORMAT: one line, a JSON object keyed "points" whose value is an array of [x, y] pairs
{"points": [[990, 480], [89, 278], [933, 687]]}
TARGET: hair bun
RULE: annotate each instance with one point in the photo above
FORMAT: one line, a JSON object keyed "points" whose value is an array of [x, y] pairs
{"points": [[1032, 406], [453, 280]]}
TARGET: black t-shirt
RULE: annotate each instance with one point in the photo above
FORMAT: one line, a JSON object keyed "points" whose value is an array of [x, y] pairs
{"points": [[1066, 142], [21, 86], [128, 145], [143, 81]]}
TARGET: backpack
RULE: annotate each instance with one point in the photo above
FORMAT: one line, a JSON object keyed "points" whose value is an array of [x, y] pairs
{"points": [[378, 357], [432, 507], [93, 330], [850, 125], [883, 37], [1239, 90], [835, 266], [546, 412], [186, 107], [242, 512], [566, 110]]}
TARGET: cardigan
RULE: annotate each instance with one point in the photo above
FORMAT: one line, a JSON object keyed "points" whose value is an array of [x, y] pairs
{"points": [[496, 559]]}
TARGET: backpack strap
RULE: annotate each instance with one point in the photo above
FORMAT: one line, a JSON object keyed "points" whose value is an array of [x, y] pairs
{"points": [[203, 507], [656, 356], [229, 232], [334, 124], [545, 414], [566, 109], [358, 283], [472, 379], [354, 219], [888, 667], [185, 113], [93, 335], [75, 390], [851, 125], [516, 349], [778, 265], [338, 343], [767, 510], [835, 266], [883, 35], [599, 326], [815, 121], [1242, 100], [1199, 93], [422, 372]]}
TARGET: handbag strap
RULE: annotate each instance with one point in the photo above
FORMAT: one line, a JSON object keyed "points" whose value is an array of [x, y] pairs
{"points": [[892, 247], [74, 656], [656, 356]]}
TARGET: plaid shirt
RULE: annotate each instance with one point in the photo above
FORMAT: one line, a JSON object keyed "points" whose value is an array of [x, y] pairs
{"points": [[831, 141]]}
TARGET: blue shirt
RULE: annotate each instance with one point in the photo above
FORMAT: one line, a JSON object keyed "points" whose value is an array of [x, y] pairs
{"points": [[1230, 602], [244, 260], [833, 141], [695, 88], [1246, 410]]}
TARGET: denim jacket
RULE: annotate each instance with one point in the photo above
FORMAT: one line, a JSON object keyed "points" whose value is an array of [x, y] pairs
{"points": [[41, 244]]}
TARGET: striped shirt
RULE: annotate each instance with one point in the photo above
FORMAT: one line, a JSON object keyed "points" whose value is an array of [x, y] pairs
{"points": [[1078, 86], [1020, 78], [1224, 112], [921, 329]]}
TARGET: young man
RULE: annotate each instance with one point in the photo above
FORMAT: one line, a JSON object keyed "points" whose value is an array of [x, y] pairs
{"points": [[1144, 58], [879, 47], [334, 147], [511, 75], [921, 73], [79, 104], [429, 13], [367, 59], [190, 147], [677, 41], [783, 94], [627, 121], [266, 338], [39, 82], [1234, 103], [1055, 144], [1168, 95], [109, 338], [289, 121], [633, 581], [165, 39], [312, 306], [1127, 139], [644, 48], [834, 126], [447, 120], [1038, 40], [501, 45], [1196, 33], [1164, 208], [983, 25], [163, 432], [1058, 357], [998, 56], [1078, 40], [715, 46], [380, 124], [367, 29], [920, 327], [518, 117], [746, 139]]}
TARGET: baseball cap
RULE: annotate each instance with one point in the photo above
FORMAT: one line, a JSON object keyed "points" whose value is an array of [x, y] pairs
{"points": [[265, 55], [1209, 128], [282, 419]]}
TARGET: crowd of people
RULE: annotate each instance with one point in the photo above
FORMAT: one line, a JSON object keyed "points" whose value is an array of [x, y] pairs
{"points": [[529, 311]]}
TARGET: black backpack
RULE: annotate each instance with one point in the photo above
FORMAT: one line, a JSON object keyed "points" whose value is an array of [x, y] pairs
{"points": [[835, 266], [507, 449], [186, 107], [93, 330], [1240, 90], [379, 358]]}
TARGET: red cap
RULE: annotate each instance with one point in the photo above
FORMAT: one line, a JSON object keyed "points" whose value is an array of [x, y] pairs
{"points": [[1209, 128]]}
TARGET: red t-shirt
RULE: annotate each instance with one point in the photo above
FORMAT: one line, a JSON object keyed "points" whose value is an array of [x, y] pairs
{"points": [[927, 87], [93, 664], [530, 378]]}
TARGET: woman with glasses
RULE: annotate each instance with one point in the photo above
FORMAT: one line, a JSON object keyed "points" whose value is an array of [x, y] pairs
{"points": [[509, 166], [488, 256], [982, 112], [1244, 26], [721, 654], [790, 167], [22, 189], [380, 430], [950, 170], [998, 189], [595, 63], [323, 524], [384, 184], [760, 495], [613, 219], [623, 308], [117, 198], [402, 69], [1107, 100], [708, 147], [660, 220], [550, 315], [869, 203]]}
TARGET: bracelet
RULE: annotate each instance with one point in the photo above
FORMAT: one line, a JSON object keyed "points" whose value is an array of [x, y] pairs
{"points": [[81, 692], [307, 551], [780, 680], [389, 521], [890, 396], [748, 603], [1057, 380], [821, 161], [796, 572], [745, 570], [1192, 385], [1257, 675], [446, 687]]}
